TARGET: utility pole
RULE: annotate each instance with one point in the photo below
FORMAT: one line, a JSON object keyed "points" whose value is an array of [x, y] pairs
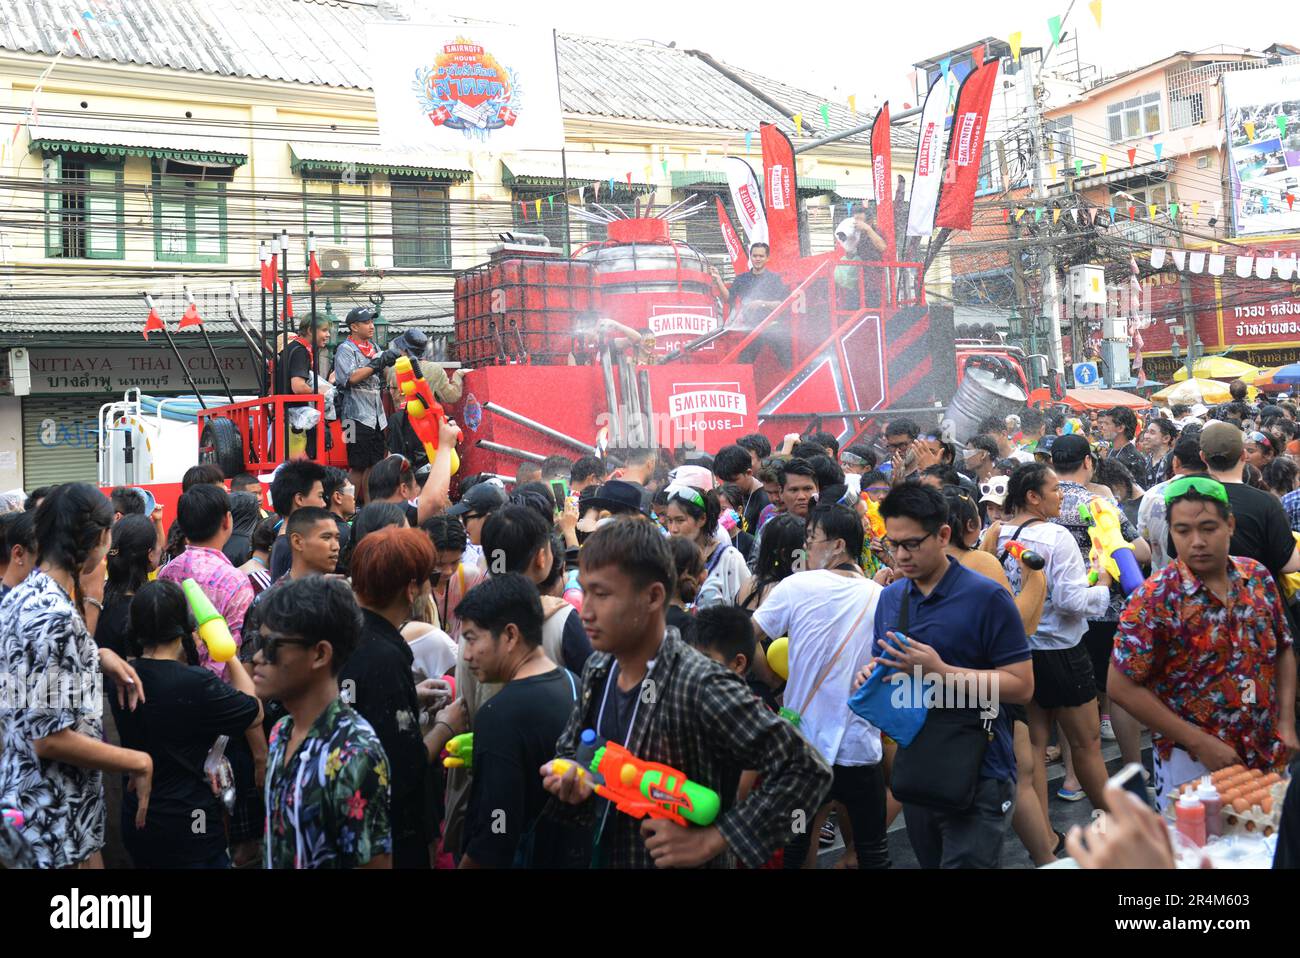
{"points": [[1028, 322], [1185, 288], [1046, 261]]}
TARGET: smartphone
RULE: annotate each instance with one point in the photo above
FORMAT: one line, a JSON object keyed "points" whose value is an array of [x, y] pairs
{"points": [[1130, 779], [560, 492]]}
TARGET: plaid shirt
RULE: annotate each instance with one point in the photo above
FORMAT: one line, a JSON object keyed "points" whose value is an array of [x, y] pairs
{"points": [[1291, 503], [704, 721]]}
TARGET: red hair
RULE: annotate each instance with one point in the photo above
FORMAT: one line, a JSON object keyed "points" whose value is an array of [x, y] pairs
{"points": [[388, 560]]}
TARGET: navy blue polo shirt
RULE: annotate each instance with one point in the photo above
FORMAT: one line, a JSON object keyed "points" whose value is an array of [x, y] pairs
{"points": [[972, 622]]}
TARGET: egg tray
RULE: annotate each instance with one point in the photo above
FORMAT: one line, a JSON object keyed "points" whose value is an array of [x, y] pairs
{"points": [[1253, 821]]}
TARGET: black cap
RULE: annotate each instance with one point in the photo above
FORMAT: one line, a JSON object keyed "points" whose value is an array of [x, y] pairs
{"points": [[1070, 450], [360, 314], [482, 498]]}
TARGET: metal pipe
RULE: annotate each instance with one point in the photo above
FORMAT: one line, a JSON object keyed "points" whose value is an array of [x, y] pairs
{"points": [[647, 409], [532, 424], [855, 413], [510, 451], [611, 397]]}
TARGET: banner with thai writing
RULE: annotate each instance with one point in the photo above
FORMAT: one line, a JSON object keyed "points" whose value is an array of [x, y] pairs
{"points": [[464, 88], [779, 194], [966, 148]]}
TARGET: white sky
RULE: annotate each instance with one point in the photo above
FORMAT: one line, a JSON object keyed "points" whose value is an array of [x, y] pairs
{"points": [[867, 47]]}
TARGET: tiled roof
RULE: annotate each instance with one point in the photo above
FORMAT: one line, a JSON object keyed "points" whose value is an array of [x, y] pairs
{"points": [[322, 42]]}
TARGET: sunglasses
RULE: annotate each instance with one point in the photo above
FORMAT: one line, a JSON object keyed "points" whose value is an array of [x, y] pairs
{"points": [[271, 643], [1200, 484]]}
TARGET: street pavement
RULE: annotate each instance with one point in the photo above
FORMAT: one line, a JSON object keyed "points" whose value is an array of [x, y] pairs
{"points": [[1064, 815]]}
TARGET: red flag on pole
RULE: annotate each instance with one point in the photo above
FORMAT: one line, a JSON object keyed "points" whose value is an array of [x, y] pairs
{"points": [[779, 194], [313, 268], [268, 273], [966, 147], [153, 324], [191, 316], [735, 249], [882, 177], [288, 300]]}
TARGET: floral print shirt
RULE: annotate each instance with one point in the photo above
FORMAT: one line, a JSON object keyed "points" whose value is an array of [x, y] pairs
{"points": [[51, 681], [327, 806], [1212, 664]]}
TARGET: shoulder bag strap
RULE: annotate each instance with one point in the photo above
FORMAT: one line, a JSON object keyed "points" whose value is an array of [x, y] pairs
{"points": [[1002, 556]]}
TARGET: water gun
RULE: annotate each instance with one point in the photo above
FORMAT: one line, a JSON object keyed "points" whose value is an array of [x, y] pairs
{"points": [[874, 522], [639, 788], [212, 624], [1109, 550], [423, 412], [1031, 559], [1072, 426], [460, 752]]}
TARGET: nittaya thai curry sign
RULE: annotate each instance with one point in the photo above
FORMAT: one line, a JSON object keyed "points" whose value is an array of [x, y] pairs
{"points": [[149, 368]]}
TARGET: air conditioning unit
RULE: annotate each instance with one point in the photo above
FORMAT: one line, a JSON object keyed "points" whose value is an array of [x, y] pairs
{"points": [[336, 264], [1088, 285]]}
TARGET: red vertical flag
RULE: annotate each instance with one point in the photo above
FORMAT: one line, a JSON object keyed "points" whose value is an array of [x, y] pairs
{"points": [[153, 324], [268, 273], [735, 249], [882, 177], [313, 268], [966, 147], [288, 300], [779, 194]]}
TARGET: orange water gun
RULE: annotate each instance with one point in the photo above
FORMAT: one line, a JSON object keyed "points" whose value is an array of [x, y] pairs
{"points": [[423, 412], [874, 522]]}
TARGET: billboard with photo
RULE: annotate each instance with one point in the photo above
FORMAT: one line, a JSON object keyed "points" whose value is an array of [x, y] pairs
{"points": [[1262, 117]]}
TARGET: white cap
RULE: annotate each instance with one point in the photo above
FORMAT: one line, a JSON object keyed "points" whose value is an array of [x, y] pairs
{"points": [[1199, 410]]}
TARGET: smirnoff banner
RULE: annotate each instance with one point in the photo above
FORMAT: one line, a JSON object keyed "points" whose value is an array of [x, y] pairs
{"points": [[747, 200], [735, 251], [779, 194], [462, 87], [965, 148], [927, 176], [882, 178]]}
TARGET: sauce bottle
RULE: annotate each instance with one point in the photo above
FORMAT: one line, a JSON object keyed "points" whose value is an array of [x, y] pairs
{"points": [[1213, 803], [1189, 819]]}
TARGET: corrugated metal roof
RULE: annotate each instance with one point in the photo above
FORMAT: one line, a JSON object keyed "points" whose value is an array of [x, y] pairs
{"points": [[369, 159], [158, 138], [322, 42]]}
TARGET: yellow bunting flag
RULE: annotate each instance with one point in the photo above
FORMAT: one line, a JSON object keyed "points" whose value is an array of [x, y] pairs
{"points": [[1104, 160], [1151, 211], [1250, 131], [1056, 214], [853, 103], [798, 124], [537, 207], [1196, 208], [1019, 213], [1014, 40], [1095, 7]]}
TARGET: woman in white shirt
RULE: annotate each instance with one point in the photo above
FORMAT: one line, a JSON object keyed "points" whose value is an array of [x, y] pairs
{"points": [[692, 514], [1064, 688]]}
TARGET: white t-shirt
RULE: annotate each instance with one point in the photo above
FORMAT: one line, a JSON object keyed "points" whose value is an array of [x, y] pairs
{"points": [[725, 580], [1070, 601], [815, 609], [435, 653]]}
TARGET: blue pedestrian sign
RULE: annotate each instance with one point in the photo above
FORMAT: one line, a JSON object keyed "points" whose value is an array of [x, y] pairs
{"points": [[1085, 374]]}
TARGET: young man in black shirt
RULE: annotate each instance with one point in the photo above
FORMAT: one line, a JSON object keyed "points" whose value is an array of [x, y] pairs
{"points": [[752, 298], [299, 379], [294, 485], [735, 464], [1118, 426], [664, 702], [515, 732]]}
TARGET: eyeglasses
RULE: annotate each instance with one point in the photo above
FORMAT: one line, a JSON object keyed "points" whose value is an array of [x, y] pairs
{"points": [[1205, 486], [898, 446], [466, 517], [272, 641], [907, 545]]}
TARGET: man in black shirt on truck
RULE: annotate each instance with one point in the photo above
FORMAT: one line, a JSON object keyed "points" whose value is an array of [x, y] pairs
{"points": [[752, 298]]}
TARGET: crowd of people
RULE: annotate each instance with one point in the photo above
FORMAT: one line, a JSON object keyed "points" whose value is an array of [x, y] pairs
{"points": [[637, 600]]}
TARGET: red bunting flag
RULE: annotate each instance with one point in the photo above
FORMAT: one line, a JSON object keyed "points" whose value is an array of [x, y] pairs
{"points": [[524, 208], [313, 267], [1132, 155], [153, 324], [191, 316], [1290, 201], [1132, 213]]}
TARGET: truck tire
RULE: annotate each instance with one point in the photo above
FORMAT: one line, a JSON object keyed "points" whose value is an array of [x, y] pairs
{"points": [[222, 445]]}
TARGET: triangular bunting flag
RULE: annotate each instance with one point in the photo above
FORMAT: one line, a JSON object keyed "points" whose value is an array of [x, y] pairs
{"points": [[1250, 131], [1112, 214], [1263, 201], [313, 267], [1151, 211], [1019, 213], [1095, 7], [1132, 213], [1006, 216], [1038, 213], [1078, 167], [1074, 213], [944, 66], [191, 317], [153, 324], [523, 209], [537, 208], [1014, 40], [1056, 214], [550, 203], [1196, 208], [1132, 155], [1160, 149], [1173, 210], [853, 108], [629, 178], [749, 137], [1281, 125], [1104, 161], [797, 119], [826, 117], [1054, 27]]}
